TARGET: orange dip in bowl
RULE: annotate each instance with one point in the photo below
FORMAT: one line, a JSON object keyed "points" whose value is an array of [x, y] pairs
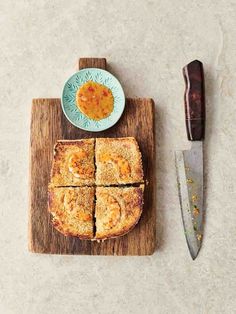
{"points": [[95, 100]]}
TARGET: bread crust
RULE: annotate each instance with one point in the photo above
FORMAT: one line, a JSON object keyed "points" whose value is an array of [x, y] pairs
{"points": [[118, 161], [71, 193], [117, 210], [73, 163], [72, 210]]}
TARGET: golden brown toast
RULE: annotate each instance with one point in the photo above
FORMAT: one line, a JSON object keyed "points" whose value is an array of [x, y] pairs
{"points": [[73, 163], [72, 193], [117, 210], [72, 210], [118, 161]]}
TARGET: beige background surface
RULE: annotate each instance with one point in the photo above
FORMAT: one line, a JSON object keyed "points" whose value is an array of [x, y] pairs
{"points": [[146, 43]]}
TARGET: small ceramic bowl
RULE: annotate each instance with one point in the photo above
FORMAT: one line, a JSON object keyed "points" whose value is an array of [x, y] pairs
{"points": [[72, 112]]}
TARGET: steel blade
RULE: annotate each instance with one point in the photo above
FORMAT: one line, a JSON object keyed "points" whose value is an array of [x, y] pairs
{"points": [[189, 166]]}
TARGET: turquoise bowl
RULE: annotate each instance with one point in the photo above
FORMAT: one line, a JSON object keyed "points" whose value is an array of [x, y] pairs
{"points": [[72, 112]]}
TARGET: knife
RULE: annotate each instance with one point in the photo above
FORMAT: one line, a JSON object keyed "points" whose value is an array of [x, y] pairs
{"points": [[189, 163]]}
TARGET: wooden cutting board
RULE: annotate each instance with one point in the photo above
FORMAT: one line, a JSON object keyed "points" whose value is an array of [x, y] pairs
{"points": [[48, 124]]}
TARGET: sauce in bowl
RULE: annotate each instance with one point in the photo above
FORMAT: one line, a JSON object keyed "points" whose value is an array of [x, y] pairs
{"points": [[95, 100]]}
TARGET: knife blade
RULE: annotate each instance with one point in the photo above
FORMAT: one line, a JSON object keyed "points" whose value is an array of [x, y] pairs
{"points": [[189, 163]]}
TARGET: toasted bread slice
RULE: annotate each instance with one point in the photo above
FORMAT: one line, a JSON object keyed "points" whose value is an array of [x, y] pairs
{"points": [[117, 210], [72, 210], [118, 161], [73, 163]]}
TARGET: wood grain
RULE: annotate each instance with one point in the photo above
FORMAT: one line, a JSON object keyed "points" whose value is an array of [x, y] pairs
{"points": [[92, 63], [49, 124]]}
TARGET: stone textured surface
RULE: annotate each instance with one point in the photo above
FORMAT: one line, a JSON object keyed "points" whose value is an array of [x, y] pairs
{"points": [[146, 43]]}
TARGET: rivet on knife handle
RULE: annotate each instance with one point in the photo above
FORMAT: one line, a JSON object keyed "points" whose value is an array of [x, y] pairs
{"points": [[194, 99]]}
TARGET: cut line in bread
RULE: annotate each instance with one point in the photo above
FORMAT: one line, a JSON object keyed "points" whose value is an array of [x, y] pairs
{"points": [[96, 188]]}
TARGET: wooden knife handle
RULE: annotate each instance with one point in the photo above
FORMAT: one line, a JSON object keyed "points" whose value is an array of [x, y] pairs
{"points": [[194, 99]]}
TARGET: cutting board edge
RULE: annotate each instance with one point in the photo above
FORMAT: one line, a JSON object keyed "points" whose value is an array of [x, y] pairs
{"points": [[37, 251]]}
